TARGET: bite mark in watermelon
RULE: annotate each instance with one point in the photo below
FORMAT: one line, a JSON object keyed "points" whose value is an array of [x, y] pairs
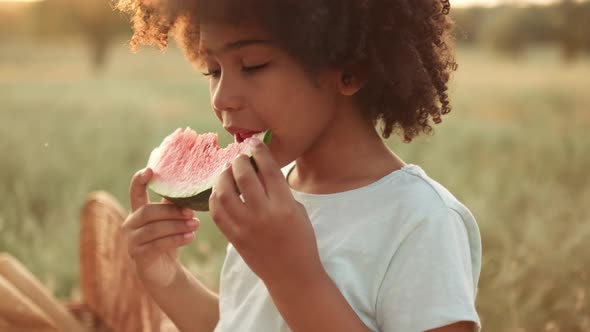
{"points": [[186, 166]]}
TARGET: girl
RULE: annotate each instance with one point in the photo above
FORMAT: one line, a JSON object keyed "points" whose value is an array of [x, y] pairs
{"points": [[349, 237]]}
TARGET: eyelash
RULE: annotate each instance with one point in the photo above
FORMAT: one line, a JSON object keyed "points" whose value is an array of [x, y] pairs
{"points": [[247, 70]]}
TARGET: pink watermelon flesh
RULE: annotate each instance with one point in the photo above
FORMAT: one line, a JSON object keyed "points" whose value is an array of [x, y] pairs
{"points": [[186, 166]]}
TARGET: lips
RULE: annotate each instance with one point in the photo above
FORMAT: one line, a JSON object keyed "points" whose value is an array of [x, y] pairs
{"points": [[241, 134], [240, 137]]}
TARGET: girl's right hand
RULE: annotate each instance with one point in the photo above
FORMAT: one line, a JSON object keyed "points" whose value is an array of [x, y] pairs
{"points": [[154, 232]]}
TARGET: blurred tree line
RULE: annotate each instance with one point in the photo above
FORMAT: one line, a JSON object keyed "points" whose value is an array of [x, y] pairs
{"points": [[510, 29], [94, 21], [507, 29]]}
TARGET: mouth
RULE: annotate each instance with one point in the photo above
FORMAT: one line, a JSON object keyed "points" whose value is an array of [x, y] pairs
{"points": [[240, 137], [242, 134]]}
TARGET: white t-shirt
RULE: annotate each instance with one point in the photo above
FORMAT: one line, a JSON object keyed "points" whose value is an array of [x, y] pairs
{"points": [[403, 251]]}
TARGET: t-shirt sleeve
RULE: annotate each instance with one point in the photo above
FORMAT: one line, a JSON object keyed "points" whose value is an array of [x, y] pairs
{"points": [[430, 281]]}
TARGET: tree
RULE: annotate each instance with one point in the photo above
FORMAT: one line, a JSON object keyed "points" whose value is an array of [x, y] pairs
{"points": [[575, 29], [94, 20]]}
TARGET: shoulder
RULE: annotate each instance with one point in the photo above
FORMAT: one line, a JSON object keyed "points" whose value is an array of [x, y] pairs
{"points": [[423, 208], [420, 199], [434, 264], [409, 199], [423, 194]]}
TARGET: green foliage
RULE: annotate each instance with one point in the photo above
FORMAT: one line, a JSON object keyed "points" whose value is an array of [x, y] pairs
{"points": [[514, 150]]}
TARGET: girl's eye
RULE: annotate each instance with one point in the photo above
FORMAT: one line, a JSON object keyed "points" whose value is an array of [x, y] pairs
{"points": [[213, 73], [253, 69], [248, 70]]}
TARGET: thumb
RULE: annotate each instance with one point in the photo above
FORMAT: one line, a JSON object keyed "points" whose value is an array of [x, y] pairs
{"points": [[138, 189]]}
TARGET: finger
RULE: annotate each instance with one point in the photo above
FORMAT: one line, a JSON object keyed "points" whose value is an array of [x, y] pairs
{"points": [[225, 204], [138, 194], [222, 219], [156, 212], [274, 181], [248, 182], [161, 229], [226, 193], [151, 250]]}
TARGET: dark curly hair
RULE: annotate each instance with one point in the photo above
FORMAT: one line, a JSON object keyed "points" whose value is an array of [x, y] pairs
{"points": [[402, 48]]}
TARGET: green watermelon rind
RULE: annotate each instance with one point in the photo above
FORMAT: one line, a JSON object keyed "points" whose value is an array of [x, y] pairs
{"points": [[199, 201]]}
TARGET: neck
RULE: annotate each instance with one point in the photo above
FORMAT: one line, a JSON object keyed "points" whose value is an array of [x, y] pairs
{"points": [[348, 155]]}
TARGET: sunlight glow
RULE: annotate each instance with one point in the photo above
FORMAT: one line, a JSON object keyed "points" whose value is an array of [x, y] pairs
{"points": [[21, 0]]}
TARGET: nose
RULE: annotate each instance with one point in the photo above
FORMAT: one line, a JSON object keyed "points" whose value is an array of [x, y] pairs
{"points": [[225, 95]]}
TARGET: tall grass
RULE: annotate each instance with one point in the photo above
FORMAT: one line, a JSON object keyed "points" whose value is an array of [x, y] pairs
{"points": [[515, 150]]}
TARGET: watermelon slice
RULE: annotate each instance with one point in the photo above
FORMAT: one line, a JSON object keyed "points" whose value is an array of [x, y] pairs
{"points": [[186, 165]]}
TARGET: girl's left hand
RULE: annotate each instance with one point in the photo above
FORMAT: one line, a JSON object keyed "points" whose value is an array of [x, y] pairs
{"points": [[269, 229]]}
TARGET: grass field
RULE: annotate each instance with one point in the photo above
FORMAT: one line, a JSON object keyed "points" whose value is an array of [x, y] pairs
{"points": [[515, 150]]}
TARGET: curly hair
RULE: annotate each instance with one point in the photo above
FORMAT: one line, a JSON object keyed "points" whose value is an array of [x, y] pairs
{"points": [[403, 49]]}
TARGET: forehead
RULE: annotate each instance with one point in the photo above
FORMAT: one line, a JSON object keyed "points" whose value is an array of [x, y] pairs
{"points": [[215, 37]]}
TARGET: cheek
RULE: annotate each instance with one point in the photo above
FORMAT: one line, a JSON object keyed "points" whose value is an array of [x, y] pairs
{"points": [[211, 97], [298, 106]]}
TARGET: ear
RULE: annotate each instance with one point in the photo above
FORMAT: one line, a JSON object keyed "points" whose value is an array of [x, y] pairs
{"points": [[349, 84]]}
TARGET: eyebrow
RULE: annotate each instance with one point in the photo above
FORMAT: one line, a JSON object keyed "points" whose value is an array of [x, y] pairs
{"points": [[236, 45]]}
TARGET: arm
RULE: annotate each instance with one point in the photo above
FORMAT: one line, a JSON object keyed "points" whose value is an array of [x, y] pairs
{"points": [[321, 307], [457, 327], [274, 236], [187, 302], [153, 233], [435, 272], [315, 304]]}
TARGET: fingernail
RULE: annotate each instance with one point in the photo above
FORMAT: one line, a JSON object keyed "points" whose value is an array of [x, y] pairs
{"points": [[191, 223], [189, 235], [226, 166]]}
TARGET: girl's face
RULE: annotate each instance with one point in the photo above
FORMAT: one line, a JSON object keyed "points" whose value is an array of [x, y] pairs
{"points": [[254, 86]]}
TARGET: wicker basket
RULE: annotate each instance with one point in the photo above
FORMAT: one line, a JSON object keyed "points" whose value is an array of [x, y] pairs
{"points": [[113, 298]]}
